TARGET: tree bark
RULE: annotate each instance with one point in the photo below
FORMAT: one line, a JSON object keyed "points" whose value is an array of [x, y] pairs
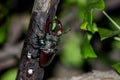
{"points": [[29, 68]]}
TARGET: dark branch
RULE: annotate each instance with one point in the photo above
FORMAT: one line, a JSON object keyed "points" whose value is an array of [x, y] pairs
{"points": [[29, 68]]}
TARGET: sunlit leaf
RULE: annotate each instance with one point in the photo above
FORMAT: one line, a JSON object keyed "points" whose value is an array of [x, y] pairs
{"points": [[9, 75], [82, 2], [98, 4], [77, 2], [87, 24], [95, 28], [87, 50], [116, 44], [88, 13], [106, 33], [83, 26], [117, 67]]}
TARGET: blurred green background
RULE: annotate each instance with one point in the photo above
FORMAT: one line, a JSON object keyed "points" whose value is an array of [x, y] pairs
{"points": [[89, 41]]}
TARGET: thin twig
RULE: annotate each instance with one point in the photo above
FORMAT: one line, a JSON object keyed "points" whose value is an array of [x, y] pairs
{"points": [[117, 26]]}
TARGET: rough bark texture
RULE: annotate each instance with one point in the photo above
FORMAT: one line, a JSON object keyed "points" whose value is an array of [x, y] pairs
{"points": [[29, 68]]}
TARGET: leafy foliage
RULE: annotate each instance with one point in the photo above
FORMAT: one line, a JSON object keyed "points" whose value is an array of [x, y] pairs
{"points": [[9, 75], [106, 33], [117, 67], [87, 50], [2, 35], [86, 11], [89, 25]]}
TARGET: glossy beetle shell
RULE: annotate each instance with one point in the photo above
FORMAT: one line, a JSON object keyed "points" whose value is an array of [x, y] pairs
{"points": [[46, 58]]}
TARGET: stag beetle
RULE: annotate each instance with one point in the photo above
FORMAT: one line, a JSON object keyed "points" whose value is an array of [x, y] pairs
{"points": [[53, 31]]}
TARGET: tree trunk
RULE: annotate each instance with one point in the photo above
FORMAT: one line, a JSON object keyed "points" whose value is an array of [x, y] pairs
{"points": [[29, 68]]}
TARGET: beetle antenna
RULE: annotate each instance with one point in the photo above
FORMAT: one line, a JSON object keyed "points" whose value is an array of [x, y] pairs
{"points": [[66, 31]]}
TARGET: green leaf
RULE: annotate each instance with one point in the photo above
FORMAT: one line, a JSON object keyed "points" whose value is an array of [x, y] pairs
{"points": [[83, 26], [117, 67], [82, 2], [2, 35], [87, 24], [88, 13], [9, 75], [106, 33], [98, 4], [116, 44], [87, 50], [95, 28], [77, 2], [71, 51]]}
